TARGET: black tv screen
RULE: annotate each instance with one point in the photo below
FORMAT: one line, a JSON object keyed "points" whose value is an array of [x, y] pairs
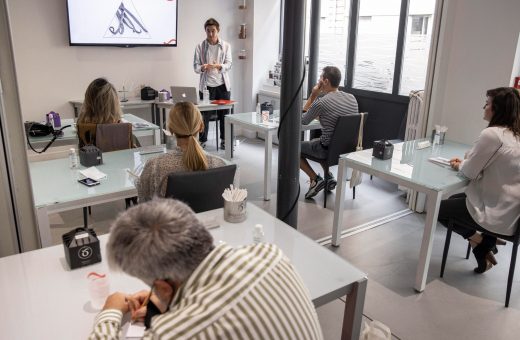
{"points": [[126, 23]]}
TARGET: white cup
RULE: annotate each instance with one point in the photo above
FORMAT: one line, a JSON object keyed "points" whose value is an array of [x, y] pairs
{"points": [[163, 96], [98, 289], [265, 116], [235, 212]]}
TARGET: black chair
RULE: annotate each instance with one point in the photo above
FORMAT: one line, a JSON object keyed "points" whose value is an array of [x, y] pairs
{"points": [[514, 239], [344, 140], [107, 137], [201, 190]]}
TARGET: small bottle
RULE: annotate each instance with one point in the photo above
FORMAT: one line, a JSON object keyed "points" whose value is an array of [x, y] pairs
{"points": [[73, 158], [51, 119], [258, 234], [57, 120], [205, 96]]}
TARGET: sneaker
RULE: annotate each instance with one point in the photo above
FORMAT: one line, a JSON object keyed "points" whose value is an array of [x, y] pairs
{"points": [[203, 144], [331, 182], [315, 187], [222, 145]]}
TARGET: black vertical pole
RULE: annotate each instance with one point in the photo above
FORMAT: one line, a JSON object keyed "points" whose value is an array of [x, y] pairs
{"points": [[314, 45], [290, 111]]}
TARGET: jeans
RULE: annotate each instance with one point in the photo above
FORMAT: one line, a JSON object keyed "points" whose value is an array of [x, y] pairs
{"points": [[215, 93]]}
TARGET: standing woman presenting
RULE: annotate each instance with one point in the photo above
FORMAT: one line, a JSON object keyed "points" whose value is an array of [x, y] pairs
{"points": [[492, 199], [212, 61]]}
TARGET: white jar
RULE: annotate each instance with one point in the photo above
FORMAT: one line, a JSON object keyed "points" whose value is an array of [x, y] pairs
{"points": [[205, 96], [73, 158]]}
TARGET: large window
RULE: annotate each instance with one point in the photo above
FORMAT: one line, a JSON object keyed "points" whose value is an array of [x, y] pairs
{"points": [[416, 45], [334, 19], [376, 45], [389, 53]]}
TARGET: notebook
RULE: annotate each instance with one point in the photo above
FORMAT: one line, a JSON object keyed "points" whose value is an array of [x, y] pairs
{"points": [[184, 94]]}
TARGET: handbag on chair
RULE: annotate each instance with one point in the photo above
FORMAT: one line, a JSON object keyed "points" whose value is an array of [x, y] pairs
{"points": [[357, 176]]}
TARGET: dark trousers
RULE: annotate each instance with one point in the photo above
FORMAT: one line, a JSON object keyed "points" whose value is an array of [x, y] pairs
{"points": [[215, 93], [455, 208]]}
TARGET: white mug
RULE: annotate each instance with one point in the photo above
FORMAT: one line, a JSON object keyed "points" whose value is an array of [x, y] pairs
{"points": [[163, 96]]}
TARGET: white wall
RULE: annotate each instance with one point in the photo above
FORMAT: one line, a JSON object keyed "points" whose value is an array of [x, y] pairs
{"points": [[477, 51], [50, 72]]}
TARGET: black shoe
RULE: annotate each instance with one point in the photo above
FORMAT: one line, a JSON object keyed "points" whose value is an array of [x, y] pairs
{"points": [[316, 186], [222, 145], [331, 181], [485, 259], [203, 144]]}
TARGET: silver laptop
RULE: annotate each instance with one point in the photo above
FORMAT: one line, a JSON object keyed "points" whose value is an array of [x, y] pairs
{"points": [[184, 94]]}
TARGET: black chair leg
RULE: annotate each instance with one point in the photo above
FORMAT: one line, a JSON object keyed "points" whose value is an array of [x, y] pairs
{"points": [[85, 217], [468, 251], [354, 193], [445, 252], [325, 191], [216, 131], [89, 210], [511, 272]]}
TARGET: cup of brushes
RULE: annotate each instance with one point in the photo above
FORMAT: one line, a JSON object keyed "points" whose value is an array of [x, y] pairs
{"points": [[235, 204]]}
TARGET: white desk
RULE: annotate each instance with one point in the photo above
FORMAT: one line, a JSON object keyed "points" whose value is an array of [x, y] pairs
{"points": [[252, 121], [134, 103], [161, 108], [55, 186], [46, 300], [410, 168], [140, 127]]}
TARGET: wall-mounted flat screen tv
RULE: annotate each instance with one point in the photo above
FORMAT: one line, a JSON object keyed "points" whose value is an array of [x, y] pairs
{"points": [[126, 23]]}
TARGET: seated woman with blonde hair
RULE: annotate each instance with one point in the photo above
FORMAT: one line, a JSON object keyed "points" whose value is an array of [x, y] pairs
{"points": [[185, 122]]}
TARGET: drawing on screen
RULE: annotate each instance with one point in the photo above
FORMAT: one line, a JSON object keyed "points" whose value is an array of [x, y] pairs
{"points": [[126, 23]]}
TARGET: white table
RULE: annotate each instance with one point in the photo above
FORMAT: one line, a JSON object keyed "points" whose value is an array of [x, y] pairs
{"points": [[45, 300], [410, 168], [161, 108], [140, 127], [55, 186], [252, 121], [133, 103]]}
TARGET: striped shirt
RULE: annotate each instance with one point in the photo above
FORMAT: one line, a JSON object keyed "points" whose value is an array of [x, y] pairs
{"points": [[251, 292], [327, 109]]}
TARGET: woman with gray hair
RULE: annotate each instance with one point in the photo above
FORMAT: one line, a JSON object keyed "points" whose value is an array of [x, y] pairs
{"points": [[198, 290]]}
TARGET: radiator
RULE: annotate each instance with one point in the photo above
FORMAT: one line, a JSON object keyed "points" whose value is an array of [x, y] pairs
{"points": [[415, 128]]}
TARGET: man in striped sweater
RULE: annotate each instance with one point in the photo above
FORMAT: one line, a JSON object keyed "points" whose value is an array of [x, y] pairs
{"points": [[201, 291], [326, 104]]}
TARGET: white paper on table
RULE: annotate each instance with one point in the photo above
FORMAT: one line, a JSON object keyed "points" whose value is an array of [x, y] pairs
{"points": [[135, 331], [440, 161], [93, 173]]}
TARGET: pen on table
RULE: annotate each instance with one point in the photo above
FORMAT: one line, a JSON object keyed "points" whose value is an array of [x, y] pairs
{"points": [[131, 173]]}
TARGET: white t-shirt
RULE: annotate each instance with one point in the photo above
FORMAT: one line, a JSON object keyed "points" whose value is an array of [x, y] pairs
{"points": [[214, 76]]}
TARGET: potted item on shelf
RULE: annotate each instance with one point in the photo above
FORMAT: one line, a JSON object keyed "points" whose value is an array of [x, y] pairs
{"points": [[242, 4], [242, 34]]}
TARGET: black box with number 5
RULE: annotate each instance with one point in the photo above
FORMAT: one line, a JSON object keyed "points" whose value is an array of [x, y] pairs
{"points": [[81, 247]]}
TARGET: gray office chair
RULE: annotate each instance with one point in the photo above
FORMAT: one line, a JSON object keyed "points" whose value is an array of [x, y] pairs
{"points": [[201, 190], [344, 140]]}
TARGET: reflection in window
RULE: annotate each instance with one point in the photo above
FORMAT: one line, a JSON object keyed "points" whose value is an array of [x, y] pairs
{"points": [[416, 45], [376, 45], [334, 23]]}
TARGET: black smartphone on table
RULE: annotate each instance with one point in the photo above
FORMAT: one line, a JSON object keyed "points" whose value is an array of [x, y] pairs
{"points": [[89, 182]]}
